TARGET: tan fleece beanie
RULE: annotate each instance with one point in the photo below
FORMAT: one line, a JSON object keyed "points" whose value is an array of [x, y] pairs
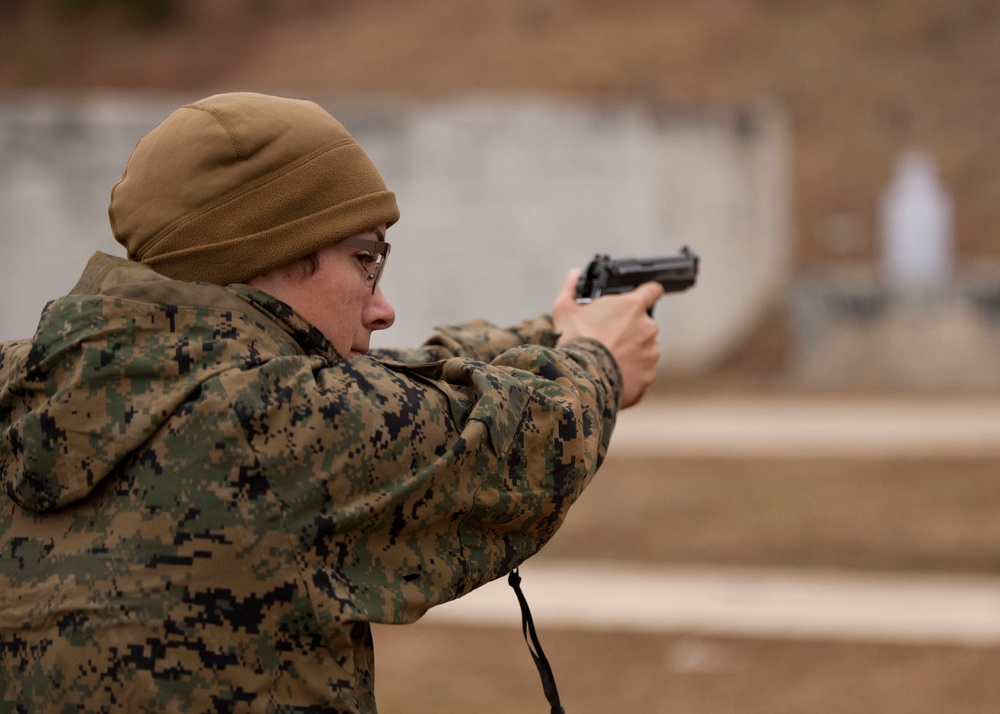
{"points": [[235, 185]]}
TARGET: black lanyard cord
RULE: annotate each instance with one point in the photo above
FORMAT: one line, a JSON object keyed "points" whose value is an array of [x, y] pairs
{"points": [[535, 647]]}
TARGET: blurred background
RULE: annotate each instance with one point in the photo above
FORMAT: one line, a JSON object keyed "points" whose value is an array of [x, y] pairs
{"points": [[835, 165]]}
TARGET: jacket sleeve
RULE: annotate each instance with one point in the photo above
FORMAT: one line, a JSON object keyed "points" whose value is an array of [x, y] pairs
{"points": [[407, 485], [477, 340]]}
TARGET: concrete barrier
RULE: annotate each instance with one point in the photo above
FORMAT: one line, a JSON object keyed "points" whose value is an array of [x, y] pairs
{"points": [[499, 199], [852, 329]]}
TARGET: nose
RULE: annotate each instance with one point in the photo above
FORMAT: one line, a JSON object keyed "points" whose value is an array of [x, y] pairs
{"points": [[379, 314]]}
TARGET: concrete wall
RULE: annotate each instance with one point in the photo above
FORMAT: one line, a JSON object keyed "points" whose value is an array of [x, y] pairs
{"points": [[499, 199]]}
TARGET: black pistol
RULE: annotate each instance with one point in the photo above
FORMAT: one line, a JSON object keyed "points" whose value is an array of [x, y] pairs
{"points": [[611, 276]]}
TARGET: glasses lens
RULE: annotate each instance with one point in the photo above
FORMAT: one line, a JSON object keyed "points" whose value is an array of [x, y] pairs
{"points": [[379, 252], [376, 273]]}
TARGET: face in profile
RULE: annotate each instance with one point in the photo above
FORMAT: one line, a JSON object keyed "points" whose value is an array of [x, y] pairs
{"points": [[337, 290]]}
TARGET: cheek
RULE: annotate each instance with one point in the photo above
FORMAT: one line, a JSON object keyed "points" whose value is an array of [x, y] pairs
{"points": [[338, 316]]}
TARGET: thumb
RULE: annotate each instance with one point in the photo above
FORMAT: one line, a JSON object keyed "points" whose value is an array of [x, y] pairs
{"points": [[649, 293], [567, 293]]}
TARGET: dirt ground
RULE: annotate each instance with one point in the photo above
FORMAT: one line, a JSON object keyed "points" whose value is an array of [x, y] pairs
{"points": [[867, 515], [425, 670], [859, 514]]}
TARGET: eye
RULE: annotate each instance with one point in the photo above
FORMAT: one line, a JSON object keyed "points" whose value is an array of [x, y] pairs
{"points": [[367, 260]]}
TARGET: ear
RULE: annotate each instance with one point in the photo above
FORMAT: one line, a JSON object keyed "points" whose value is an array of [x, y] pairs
{"points": [[310, 264], [293, 272]]}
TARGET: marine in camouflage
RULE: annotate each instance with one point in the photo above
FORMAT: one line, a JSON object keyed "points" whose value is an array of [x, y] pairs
{"points": [[204, 505]]}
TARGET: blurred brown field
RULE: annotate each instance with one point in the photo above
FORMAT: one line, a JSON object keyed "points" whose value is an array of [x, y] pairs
{"points": [[421, 670], [895, 515], [931, 515]]}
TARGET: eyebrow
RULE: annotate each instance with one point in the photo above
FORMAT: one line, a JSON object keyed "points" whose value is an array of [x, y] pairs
{"points": [[380, 234]]}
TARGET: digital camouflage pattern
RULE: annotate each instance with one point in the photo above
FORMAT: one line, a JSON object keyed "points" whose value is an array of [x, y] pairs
{"points": [[204, 506]]}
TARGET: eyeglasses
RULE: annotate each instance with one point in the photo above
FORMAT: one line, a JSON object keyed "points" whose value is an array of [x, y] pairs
{"points": [[374, 262]]}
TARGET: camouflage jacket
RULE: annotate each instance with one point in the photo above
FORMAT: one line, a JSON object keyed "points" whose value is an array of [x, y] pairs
{"points": [[204, 505]]}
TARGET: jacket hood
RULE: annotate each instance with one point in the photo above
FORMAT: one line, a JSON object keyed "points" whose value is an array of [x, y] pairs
{"points": [[111, 362]]}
